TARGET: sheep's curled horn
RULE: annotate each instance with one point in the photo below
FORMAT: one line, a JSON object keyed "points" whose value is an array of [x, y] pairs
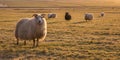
{"points": [[35, 15]]}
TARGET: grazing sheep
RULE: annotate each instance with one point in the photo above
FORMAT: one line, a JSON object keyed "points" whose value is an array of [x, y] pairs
{"points": [[102, 14], [31, 29], [67, 16], [52, 15], [88, 16]]}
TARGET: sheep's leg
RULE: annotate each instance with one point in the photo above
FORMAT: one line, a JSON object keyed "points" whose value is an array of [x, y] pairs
{"points": [[17, 41], [37, 42], [24, 42], [33, 42]]}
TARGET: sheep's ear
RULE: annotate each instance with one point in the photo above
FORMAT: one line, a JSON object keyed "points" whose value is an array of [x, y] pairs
{"points": [[35, 15]]}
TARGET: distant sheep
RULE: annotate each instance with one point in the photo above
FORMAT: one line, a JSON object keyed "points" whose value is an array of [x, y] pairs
{"points": [[52, 15], [102, 14], [31, 29], [67, 16], [88, 16]]}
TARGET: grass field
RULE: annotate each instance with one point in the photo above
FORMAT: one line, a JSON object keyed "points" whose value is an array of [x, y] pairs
{"points": [[77, 39]]}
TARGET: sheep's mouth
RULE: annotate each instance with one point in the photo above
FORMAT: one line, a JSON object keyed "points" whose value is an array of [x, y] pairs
{"points": [[39, 23]]}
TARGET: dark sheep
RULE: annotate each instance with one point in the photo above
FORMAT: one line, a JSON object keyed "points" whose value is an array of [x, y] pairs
{"points": [[67, 16], [88, 16]]}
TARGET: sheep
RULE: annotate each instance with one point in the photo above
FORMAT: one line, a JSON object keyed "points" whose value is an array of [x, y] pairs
{"points": [[52, 15], [102, 14], [31, 29], [67, 16], [88, 16]]}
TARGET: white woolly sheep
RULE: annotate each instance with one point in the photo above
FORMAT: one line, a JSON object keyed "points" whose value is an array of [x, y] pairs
{"points": [[88, 16], [31, 29], [52, 15]]}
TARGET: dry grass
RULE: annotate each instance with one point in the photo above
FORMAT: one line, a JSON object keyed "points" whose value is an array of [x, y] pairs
{"points": [[66, 40]]}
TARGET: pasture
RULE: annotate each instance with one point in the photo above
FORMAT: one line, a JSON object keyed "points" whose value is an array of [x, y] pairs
{"points": [[76, 39]]}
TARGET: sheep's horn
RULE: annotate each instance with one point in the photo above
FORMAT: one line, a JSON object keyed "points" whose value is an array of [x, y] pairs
{"points": [[35, 15]]}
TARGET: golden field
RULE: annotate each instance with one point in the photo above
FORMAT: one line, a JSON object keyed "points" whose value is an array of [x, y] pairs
{"points": [[77, 39]]}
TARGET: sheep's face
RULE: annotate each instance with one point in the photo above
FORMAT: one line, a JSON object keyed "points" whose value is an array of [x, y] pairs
{"points": [[38, 18], [67, 13]]}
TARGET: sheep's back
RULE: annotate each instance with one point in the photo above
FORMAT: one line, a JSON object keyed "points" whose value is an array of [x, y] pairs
{"points": [[26, 30], [88, 16], [67, 17], [18, 26]]}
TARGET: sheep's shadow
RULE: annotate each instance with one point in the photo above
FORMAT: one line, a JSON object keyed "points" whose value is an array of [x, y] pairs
{"points": [[21, 45], [29, 45]]}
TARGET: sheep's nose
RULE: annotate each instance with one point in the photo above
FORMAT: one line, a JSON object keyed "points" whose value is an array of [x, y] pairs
{"points": [[39, 22]]}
